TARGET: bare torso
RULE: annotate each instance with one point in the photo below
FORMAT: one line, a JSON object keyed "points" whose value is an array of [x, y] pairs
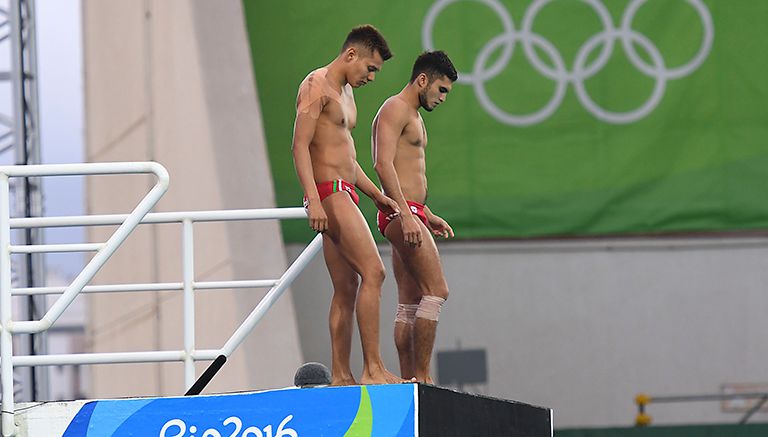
{"points": [[410, 160], [332, 147]]}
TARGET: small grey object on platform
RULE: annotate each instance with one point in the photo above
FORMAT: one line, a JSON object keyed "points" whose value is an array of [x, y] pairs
{"points": [[312, 375]]}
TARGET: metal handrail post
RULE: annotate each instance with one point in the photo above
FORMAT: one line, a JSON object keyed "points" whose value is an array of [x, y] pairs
{"points": [[6, 315], [188, 254]]}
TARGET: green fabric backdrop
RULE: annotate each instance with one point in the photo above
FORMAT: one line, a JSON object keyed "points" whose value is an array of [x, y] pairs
{"points": [[697, 160]]}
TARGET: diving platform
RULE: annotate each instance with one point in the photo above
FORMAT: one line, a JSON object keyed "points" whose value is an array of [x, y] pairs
{"points": [[406, 410]]}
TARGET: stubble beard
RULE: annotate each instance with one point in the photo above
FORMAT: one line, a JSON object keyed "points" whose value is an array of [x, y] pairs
{"points": [[423, 101]]}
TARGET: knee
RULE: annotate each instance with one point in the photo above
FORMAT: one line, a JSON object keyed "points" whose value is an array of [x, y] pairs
{"points": [[443, 293], [440, 291], [374, 273]]}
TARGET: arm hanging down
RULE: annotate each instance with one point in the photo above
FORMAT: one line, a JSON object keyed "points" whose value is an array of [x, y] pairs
{"points": [[387, 128], [309, 105], [383, 203]]}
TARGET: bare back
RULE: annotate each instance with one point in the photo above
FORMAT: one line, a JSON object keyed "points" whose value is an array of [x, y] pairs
{"points": [[332, 148], [410, 159]]}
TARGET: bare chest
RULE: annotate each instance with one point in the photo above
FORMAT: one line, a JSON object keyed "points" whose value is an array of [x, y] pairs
{"points": [[414, 133], [342, 112]]}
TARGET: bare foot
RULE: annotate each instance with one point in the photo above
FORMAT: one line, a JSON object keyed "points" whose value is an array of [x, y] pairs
{"points": [[349, 380], [393, 379], [425, 380], [380, 376]]}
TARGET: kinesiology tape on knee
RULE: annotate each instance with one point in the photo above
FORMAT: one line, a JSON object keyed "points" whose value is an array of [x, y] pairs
{"points": [[429, 308], [406, 313]]}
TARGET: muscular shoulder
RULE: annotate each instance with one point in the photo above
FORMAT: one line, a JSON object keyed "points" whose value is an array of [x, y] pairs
{"points": [[394, 110], [314, 93], [315, 78]]}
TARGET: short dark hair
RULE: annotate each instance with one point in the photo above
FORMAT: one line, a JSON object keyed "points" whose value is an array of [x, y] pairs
{"points": [[434, 64], [370, 38]]}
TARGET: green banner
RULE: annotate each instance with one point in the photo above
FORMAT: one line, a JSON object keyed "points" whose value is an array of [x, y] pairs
{"points": [[570, 117]]}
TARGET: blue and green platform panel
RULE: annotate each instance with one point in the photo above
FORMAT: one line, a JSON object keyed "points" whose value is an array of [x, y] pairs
{"points": [[335, 412]]}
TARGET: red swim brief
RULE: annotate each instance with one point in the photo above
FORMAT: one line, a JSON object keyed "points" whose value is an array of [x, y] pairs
{"points": [[325, 189], [415, 207]]}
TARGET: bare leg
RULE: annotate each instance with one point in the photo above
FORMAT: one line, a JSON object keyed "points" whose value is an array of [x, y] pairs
{"points": [[349, 231], [423, 264], [424, 341], [345, 284], [408, 293]]}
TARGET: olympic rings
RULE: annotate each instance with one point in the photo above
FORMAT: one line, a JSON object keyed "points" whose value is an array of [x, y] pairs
{"points": [[558, 72]]}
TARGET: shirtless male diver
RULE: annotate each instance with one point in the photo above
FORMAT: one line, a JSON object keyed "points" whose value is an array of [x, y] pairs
{"points": [[399, 140], [325, 160]]}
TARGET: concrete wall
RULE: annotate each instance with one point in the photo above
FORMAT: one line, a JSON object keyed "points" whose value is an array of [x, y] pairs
{"points": [[171, 81], [585, 326]]}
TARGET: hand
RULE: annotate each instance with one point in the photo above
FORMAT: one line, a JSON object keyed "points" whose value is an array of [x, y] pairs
{"points": [[387, 206], [318, 220], [439, 227], [411, 230]]}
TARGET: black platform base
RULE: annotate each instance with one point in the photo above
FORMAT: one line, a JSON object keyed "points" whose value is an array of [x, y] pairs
{"points": [[445, 413]]}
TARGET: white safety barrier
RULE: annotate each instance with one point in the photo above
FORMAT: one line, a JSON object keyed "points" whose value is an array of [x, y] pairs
{"points": [[127, 223]]}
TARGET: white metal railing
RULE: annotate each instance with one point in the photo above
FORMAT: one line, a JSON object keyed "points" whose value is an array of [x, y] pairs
{"points": [[126, 222]]}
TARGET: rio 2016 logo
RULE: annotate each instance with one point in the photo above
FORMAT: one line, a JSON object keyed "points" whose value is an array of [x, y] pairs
{"points": [[178, 428], [582, 69]]}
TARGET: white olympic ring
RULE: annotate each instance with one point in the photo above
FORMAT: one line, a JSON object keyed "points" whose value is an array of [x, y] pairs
{"points": [[580, 70]]}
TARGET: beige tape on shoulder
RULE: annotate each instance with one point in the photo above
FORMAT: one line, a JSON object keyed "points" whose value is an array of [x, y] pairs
{"points": [[314, 92]]}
